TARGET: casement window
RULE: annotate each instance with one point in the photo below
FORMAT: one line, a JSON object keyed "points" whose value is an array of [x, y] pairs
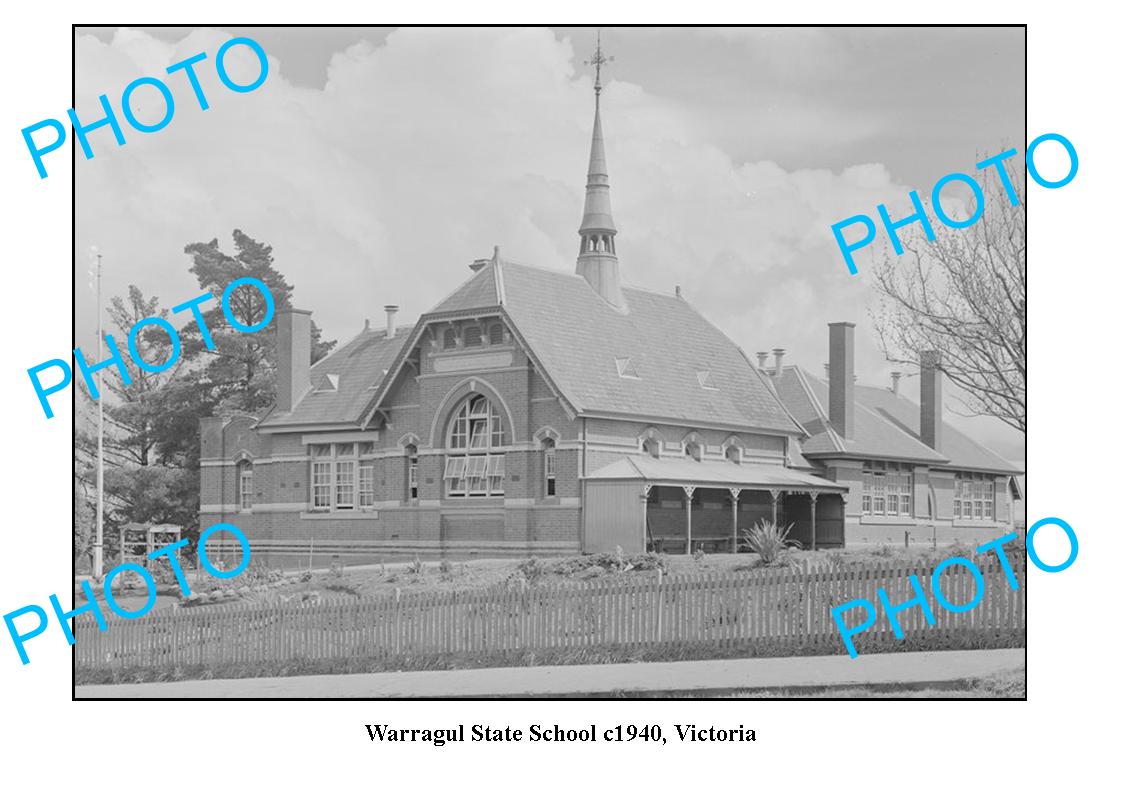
{"points": [[474, 465], [342, 476], [245, 486], [411, 472], [887, 489], [550, 467], [974, 497]]}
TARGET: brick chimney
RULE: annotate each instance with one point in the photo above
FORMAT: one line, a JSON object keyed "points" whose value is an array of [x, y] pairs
{"points": [[391, 327], [841, 384], [294, 357], [931, 400]]}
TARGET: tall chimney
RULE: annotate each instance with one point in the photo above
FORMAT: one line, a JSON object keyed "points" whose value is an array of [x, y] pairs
{"points": [[840, 395], [896, 377], [294, 357], [778, 353], [931, 400], [762, 359], [391, 328]]}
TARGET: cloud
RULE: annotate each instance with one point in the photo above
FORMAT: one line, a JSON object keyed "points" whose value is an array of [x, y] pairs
{"points": [[421, 153]]}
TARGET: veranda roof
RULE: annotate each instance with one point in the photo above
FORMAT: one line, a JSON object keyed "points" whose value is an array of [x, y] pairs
{"points": [[725, 474]]}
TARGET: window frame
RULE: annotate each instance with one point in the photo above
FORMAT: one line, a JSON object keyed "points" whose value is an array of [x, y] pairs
{"points": [[549, 467], [475, 459], [339, 469], [245, 468], [888, 489]]}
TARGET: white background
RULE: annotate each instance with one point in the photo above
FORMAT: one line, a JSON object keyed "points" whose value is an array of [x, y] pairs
{"points": [[1060, 737]]}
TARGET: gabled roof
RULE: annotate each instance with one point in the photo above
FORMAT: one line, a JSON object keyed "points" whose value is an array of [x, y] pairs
{"points": [[357, 366], [576, 338], [886, 426]]}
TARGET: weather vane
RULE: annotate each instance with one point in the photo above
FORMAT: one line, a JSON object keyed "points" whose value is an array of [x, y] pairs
{"points": [[598, 60]]}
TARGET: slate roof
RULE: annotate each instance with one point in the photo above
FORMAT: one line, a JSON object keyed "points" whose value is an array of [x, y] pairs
{"points": [[577, 338], [724, 473], [359, 365], [886, 426]]}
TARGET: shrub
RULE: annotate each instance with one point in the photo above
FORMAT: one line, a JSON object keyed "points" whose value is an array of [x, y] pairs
{"points": [[769, 541], [416, 567], [532, 570], [306, 576], [445, 568], [611, 562], [700, 557], [883, 551]]}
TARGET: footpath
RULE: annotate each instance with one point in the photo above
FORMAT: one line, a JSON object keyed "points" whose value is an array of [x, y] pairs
{"points": [[695, 678]]}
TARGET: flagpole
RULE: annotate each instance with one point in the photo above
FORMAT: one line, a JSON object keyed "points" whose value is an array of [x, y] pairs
{"points": [[98, 563]]}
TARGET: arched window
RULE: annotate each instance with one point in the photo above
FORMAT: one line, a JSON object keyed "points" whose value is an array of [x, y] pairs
{"points": [[474, 467], [694, 451], [651, 447], [245, 485], [550, 466], [473, 337], [495, 334], [450, 338], [733, 454], [411, 472]]}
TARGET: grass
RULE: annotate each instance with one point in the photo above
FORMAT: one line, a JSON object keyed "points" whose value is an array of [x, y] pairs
{"points": [[1010, 684], [439, 577], [767, 648]]}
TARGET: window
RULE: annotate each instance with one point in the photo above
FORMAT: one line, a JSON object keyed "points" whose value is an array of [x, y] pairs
{"points": [[694, 451], [474, 467], [974, 497], [550, 466], [366, 485], [473, 337], [411, 472], [887, 489], [651, 448], [495, 334], [450, 338], [245, 486], [733, 454], [342, 473]]}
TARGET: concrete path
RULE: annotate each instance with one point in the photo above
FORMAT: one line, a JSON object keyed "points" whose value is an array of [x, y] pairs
{"points": [[634, 679]]}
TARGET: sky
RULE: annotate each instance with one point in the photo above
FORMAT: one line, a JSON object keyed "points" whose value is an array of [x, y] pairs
{"points": [[378, 163]]}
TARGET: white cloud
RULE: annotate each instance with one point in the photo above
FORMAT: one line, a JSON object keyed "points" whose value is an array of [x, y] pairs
{"points": [[420, 154]]}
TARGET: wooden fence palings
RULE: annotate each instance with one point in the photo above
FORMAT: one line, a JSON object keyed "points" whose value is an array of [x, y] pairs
{"points": [[709, 608]]}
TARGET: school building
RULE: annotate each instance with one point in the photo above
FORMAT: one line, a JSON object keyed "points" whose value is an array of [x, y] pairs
{"points": [[535, 412]]}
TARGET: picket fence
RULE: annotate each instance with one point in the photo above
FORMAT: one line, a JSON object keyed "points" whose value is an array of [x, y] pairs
{"points": [[782, 605]]}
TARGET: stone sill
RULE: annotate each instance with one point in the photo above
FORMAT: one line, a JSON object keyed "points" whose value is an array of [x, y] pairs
{"points": [[339, 515]]}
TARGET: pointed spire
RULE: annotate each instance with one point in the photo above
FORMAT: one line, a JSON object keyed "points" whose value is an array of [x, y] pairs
{"points": [[596, 260], [598, 206]]}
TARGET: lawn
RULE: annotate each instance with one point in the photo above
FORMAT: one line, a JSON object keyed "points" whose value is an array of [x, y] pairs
{"points": [[1005, 685], [260, 584]]}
